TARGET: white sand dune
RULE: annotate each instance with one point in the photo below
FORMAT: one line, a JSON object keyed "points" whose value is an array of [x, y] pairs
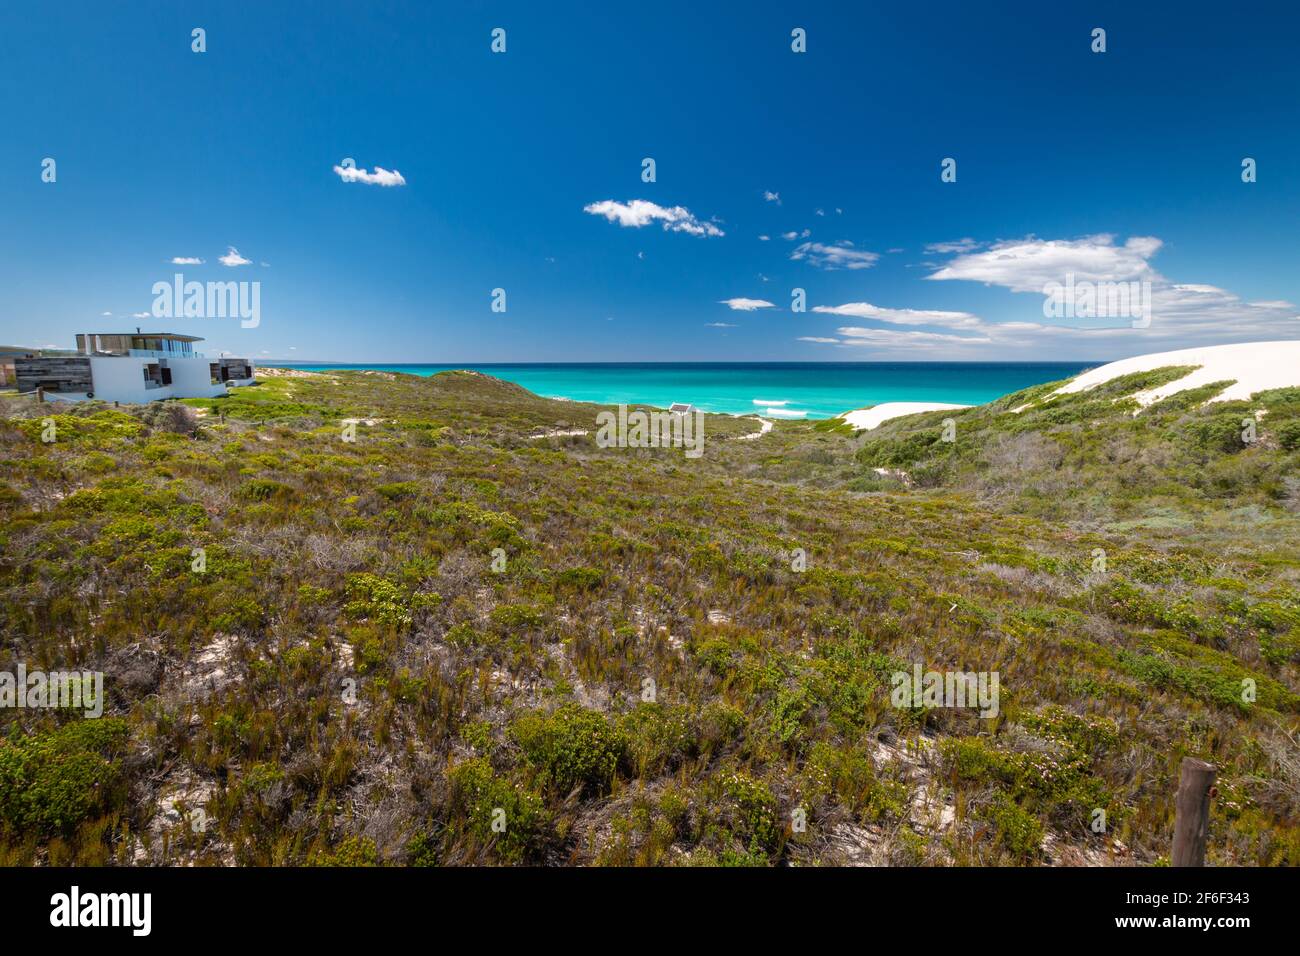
{"points": [[1253, 367], [869, 418]]}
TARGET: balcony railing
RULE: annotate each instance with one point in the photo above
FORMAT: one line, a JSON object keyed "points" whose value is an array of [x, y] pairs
{"points": [[161, 353]]}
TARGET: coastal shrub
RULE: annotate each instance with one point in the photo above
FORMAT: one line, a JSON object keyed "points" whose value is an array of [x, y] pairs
{"points": [[479, 796], [168, 416], [658, 736], [384, 602], [1288, 435], [580, 579], [515, 617], [397, 490], [749, 812], [1017, 831], [1220, 433], [849, 777], [264, 489], [54, 780], [353, 851], [571, 748], [10, 498]]}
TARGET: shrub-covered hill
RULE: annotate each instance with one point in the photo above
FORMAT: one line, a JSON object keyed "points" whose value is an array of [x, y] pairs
{"points": [[1100, 455], [473, 636]]}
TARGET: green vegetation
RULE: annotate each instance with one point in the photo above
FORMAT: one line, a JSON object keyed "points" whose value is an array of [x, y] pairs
{"points": [[465, 639]]}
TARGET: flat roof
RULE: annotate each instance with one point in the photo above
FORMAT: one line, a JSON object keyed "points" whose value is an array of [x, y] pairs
{"points": [[174, 336]]}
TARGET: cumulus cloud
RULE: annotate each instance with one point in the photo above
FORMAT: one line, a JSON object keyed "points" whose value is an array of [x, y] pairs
{"points": [[232, 258], [772, 197], [792, 235], [641, 212], [1027, 265], [380, 177], [842, 255], [1181, 314], [186, 261], [746, 305]]}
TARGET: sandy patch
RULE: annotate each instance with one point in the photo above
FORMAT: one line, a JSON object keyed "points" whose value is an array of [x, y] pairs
{"points": [[876, 415]]}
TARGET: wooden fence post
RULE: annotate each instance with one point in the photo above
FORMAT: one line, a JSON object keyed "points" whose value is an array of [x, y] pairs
{"points": [[1192, 812]]}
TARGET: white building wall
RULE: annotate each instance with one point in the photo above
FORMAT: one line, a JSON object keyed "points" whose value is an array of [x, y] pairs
{"points": [[121, 379], [192, 378]]}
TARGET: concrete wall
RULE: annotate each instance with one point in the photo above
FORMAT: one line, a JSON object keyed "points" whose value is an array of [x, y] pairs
{"points": [[192, 378]]}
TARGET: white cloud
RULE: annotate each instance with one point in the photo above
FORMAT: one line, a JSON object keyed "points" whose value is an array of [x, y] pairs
{"points": [[865, 310], [764, 238], [380, 177], [772, 197], [948, 248], [720, 325], [142, 315], [792, 235], [232, 258], [186, 261], [818, 338], [855, 335], [842, 255], [819, 212], [746, 305], [1027, 265], [105, 313], [641, 212], [1182, 314]]}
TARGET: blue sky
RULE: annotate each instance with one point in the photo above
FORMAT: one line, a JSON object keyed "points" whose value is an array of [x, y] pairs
{"points": [[523, 171]]}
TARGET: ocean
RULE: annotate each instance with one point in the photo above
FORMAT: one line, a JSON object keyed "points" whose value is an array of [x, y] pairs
{"points": [[795, 390]]}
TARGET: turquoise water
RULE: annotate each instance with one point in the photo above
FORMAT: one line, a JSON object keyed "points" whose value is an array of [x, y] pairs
{"points": [[779, 390]]}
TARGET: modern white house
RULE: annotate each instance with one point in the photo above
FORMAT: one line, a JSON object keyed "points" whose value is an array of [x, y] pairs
{"points": [[134, 367]]}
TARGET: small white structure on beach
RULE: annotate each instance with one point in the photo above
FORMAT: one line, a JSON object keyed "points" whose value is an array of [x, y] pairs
{"points": [[132, 367]]}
